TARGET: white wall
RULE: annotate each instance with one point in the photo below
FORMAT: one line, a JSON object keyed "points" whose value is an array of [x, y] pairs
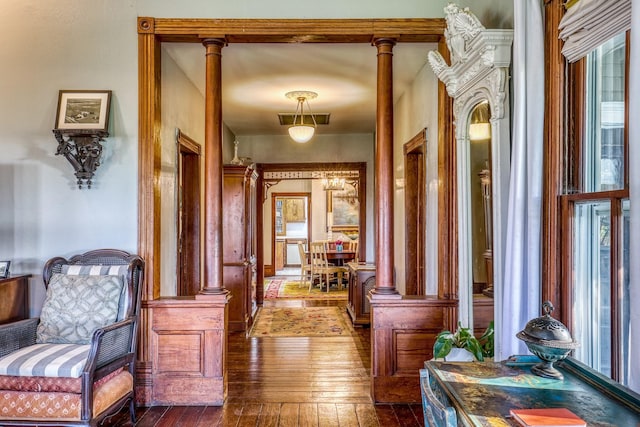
{"points": [[182, 108], [48, 46], [414, 112], [293, 8]]}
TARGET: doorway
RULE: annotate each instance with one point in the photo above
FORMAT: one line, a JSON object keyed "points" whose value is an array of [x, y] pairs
{"points": [[414, 205], [188, 216], [270, 174], [291, 224]]}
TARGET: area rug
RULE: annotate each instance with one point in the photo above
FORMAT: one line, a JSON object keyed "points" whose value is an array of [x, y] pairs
{"points": [[278, 288], [301, 322]]}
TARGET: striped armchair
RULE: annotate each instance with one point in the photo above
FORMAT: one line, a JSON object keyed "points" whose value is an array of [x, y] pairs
{"points": [[75, 365]]}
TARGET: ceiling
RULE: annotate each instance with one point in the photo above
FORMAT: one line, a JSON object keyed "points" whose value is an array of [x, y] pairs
{"points": [[256, 77]]}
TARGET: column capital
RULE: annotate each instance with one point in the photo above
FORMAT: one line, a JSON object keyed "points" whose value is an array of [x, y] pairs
{"points": [[216, 41], [383, 41]]}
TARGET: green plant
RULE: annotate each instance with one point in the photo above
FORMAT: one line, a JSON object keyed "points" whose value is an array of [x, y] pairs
{"points": [[486, 341], [463, 338]]}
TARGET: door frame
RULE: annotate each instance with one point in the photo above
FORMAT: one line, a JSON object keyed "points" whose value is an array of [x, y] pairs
{"points": [[188, 185], [273, 220], [415, 213], [291, 171]]}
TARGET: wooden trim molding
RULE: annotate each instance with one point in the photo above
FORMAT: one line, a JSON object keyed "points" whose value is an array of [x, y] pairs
{"points": [[447, 190], [148, 194], [296, 30], [555, 131]]}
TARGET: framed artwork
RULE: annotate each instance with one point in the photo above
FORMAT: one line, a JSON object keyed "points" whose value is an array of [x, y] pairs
{"points": [[294, 210], [83, 110], [4, 269], [346, 210]]}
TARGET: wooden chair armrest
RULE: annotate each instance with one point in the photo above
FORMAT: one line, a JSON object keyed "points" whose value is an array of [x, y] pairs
{"points": [[110, 343]]}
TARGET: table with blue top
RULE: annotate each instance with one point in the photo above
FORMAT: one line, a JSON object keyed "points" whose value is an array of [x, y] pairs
{"points": [[483, 393]]}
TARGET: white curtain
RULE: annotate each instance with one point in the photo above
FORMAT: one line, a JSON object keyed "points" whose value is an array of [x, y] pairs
{"points": [[634, 192], [521, 293]]}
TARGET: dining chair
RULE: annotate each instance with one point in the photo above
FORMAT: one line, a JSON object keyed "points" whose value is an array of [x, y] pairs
{"points": [[305, 265], [353, 246], [320, 266]]}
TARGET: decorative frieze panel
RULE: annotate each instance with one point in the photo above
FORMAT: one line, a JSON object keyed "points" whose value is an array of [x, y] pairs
{"points": [[475, 52], [310, 174]]}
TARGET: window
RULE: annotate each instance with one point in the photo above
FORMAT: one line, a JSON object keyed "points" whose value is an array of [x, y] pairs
{"points": [[595, 207]]}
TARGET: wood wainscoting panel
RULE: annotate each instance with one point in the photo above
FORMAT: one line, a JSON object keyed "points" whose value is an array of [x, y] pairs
{"points": [[179, 353], [412, 348], [403, 334], [188, 351]]}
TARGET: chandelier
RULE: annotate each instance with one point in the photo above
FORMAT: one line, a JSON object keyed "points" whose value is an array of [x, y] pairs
{"points": [[333, 184], [302, 131]]}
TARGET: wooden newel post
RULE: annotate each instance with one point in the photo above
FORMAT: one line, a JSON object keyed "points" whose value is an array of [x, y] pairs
{"points": [[385, 285], [213, 284]]}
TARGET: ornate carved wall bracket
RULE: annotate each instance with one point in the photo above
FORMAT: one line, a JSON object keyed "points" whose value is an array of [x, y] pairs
{"points": [[83, 150]]}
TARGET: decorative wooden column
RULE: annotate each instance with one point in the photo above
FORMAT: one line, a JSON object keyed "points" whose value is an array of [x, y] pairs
{"points": [[213, 170], [385, 285]]}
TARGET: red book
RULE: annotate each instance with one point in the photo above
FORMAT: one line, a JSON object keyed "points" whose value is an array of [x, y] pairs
{"points": [[547, 417]]}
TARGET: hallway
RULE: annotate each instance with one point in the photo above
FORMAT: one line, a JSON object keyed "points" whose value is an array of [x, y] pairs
{"points": [[291, 381]]}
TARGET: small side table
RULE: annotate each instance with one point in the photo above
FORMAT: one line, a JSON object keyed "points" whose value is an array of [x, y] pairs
{"points": [[362, 279], [14, 298]]}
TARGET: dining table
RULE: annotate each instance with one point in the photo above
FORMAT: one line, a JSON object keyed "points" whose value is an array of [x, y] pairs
{"points": [[337, 257], [340, 257]]}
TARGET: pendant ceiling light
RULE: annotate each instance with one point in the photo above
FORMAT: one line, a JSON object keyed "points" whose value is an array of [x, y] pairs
{"points": [[302, 129]]}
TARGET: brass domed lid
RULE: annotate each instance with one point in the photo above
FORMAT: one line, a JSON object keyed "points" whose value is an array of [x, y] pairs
{"points": [[547, 331]]}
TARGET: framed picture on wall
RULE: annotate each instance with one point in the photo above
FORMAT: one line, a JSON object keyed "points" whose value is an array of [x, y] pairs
{"points": [[294, 210], [83, 110], [346, 209], [4, 269]]}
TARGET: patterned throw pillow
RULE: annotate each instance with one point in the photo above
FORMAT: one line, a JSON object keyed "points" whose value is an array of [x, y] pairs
{"points": [[75, 306], [104, 270]]}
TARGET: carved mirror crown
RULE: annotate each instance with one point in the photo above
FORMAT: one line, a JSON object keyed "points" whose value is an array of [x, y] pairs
{"points": [[480, 58]]}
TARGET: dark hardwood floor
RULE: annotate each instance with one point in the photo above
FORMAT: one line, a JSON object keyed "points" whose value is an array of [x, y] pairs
{"points": [[301, 381]]}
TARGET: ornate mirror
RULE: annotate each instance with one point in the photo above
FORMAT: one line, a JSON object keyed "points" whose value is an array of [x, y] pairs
{"points": [[477, 80]]}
